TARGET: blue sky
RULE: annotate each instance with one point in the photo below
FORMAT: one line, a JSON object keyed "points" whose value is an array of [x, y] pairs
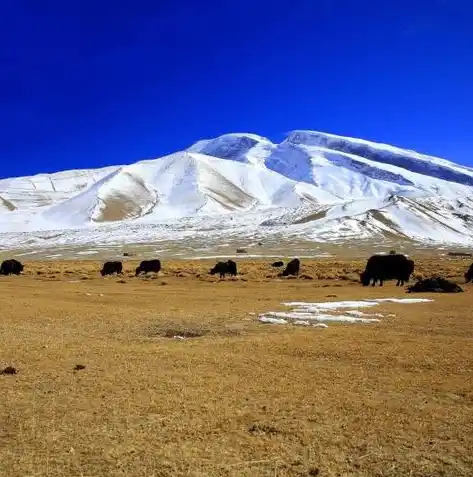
{"points": [[90, 83]]}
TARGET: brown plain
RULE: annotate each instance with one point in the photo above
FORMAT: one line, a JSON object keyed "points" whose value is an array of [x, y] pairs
{"points": [[234, 397]]}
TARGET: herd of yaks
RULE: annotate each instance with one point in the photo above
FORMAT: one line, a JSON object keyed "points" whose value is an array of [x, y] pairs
{"points": [[380, 268], [14, 267]]}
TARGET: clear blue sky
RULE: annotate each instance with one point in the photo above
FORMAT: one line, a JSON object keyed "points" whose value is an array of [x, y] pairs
{"points": [[92, 83]]}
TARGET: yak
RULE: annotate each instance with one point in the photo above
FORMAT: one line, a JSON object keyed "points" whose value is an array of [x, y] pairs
{"points": [[223, 268], [387, 267], [109, 268], [11, 267], [292, 268], [147, 266]]}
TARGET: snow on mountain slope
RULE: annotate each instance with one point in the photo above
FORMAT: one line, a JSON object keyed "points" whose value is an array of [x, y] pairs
{"points": [[181, 185], [435, 220], [47, 189], [335, 174], [377, 221], [312, 185], [384, 154], [345, 174], [239, 147], [345, 166]]}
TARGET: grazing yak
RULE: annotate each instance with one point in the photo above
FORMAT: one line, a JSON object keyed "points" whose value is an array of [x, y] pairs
{"points": [[292, 268], [387, 267], [109, 268], [277, 264], [11, 267], [469, 274], [435, 285], [147, 266], [223, 268]]}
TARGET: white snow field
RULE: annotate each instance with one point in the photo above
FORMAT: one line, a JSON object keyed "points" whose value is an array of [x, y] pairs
{"points": [[312, 186], [315, 314]]}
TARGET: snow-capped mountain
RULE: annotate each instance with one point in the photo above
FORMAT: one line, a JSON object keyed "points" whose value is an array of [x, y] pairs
{"points": [[181, 185], [314, 185], [345, 167]]}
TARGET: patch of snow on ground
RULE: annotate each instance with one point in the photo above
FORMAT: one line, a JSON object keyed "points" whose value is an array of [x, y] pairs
{"points": [[303, 313], [360, 313], [402, 300], [274, 321], [335, 305]]}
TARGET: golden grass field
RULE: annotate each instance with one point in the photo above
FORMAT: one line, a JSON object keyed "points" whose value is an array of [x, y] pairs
{"points": [[240, 398]]}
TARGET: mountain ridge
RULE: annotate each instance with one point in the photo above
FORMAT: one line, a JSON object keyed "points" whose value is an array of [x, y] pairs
{"points": [[364, 188]]}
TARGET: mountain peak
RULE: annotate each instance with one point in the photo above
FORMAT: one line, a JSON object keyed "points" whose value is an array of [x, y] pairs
{"points": [[247, 173]]}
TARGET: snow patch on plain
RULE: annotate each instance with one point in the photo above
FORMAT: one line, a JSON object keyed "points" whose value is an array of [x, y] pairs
{"points": [[304, 313]]}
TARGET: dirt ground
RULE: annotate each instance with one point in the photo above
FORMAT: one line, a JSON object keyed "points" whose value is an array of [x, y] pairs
{"points": [[235, 397]]}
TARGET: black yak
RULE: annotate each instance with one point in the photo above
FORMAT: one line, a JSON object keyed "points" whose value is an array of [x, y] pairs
{"points": [[292, 268], [435, 285], [223, 268], [11, 267], [147, 266], [109, 268], [387, 267]]}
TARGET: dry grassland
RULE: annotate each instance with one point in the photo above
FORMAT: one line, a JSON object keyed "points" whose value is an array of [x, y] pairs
{"points": [[236, 398]]}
